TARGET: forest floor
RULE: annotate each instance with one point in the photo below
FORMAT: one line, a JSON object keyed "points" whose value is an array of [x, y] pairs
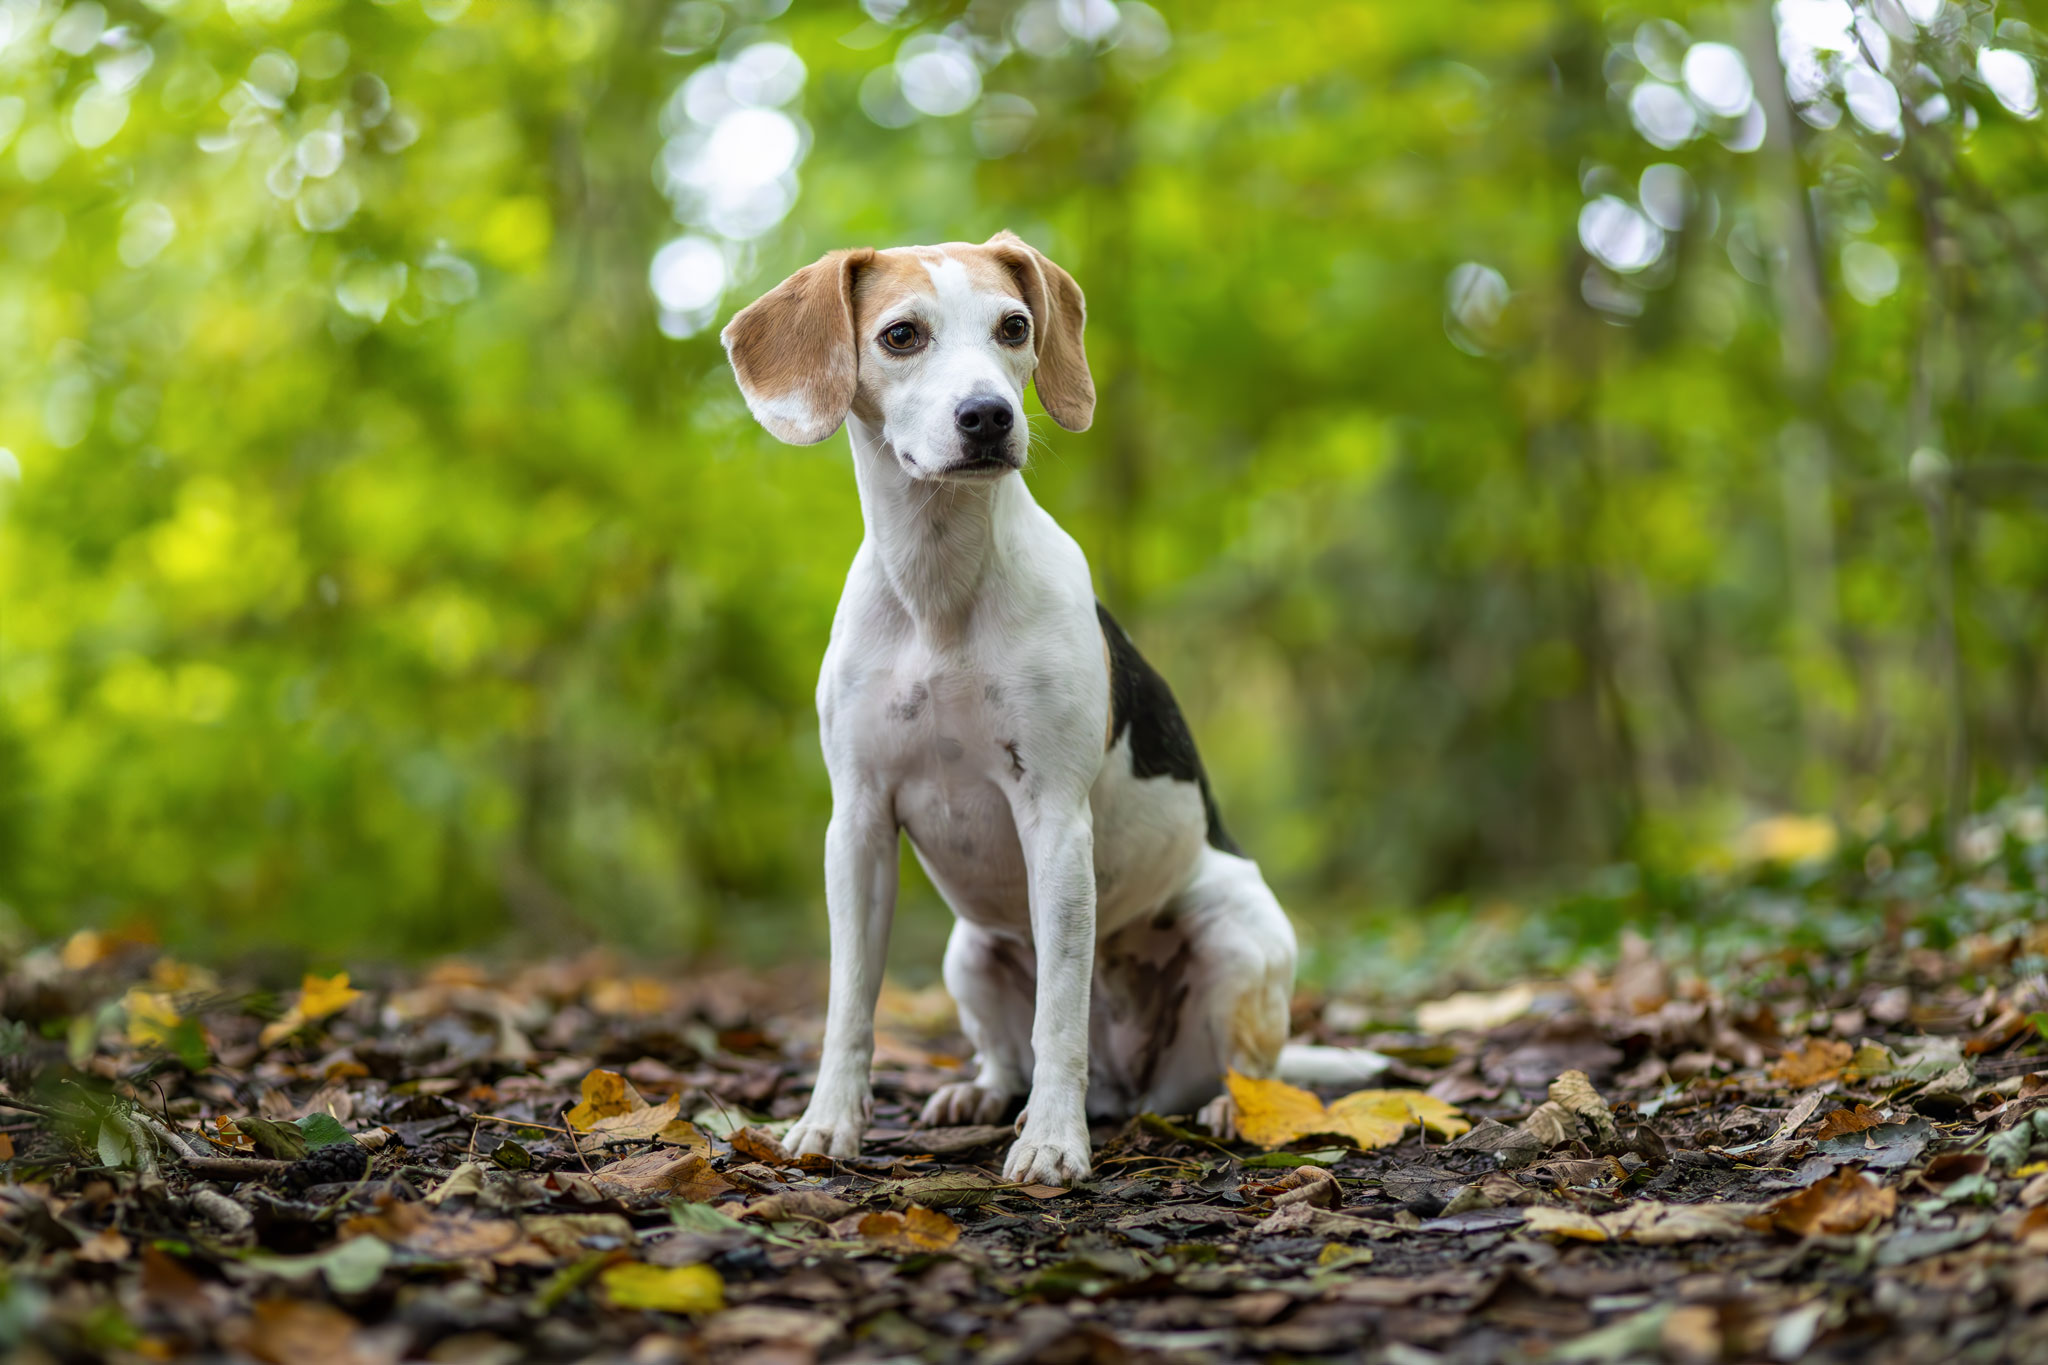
{"points": [[1825, 1154]]}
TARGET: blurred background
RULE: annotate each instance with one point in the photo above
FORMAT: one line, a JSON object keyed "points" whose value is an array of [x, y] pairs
{"points": [[1556, 450]]}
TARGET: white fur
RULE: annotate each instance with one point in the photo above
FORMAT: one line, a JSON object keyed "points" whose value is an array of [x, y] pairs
{"points": [[964, 700]]}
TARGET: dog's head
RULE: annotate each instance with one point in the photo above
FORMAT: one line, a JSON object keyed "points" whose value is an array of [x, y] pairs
{"points": [[933, 344]]}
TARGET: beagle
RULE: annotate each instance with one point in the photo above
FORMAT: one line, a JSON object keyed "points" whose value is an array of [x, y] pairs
{"points": [[1115, 951]]}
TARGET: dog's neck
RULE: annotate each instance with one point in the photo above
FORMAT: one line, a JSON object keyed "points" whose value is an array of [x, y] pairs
{"points": [[937, 542]]}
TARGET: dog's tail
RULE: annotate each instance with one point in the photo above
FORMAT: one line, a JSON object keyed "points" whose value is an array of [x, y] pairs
{"points": [[1352, 1067]]}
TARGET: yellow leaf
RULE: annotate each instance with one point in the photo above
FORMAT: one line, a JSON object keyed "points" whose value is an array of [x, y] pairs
{"points": [[318, 997], [915, 1229], [666, 1289], [1409, 1106], [608, 1095], [151, 1017], [322, 996], [1564, 1223], [84, 949], [1274, 1113], [2032, 1168]]}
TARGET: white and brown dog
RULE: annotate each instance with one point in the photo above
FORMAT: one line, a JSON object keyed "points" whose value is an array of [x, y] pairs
{"points": [[1115, 951]]}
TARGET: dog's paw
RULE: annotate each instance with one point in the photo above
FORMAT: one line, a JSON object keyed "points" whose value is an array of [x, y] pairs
{"points": [[963, 1102], [1047, 1159], [834, 1135], [1219, 1116]]}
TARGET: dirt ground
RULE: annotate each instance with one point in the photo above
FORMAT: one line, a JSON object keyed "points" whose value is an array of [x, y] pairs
{"points": [[1840, 1158]]}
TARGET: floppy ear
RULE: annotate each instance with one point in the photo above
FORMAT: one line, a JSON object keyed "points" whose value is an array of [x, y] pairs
{"points": [[1059, 313], [793, 350]]}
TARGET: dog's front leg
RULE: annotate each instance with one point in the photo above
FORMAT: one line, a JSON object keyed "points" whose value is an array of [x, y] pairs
{"points": [[1052, 1149], [860, 901]]}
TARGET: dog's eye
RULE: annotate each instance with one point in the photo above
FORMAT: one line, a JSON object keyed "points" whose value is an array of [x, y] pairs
{"points": [[1015, 327], [901, 337]]}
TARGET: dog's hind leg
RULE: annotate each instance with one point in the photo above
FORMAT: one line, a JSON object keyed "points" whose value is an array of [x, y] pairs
{"points": [[1217, 966], [993, 979]]}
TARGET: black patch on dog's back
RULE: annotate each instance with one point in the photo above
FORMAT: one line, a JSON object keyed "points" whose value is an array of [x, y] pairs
{"points": [[1161, 746]]}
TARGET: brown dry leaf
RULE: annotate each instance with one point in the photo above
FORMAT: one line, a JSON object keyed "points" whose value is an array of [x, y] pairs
{"points": [[6, 1146], [606, 1094], [684, 1174], [1305, 1185], [2032, 1230], [1846, 1201], [913, 1230], [683, 1133], [757, 1144], [1273, 1113], [562, 1235], [795, 1204], [291, 1332], [1573, 1092], [1654, 1224], [786, 1327], [1821, 1060], [1841, 1121], [437, 1235], [106, 1247]]}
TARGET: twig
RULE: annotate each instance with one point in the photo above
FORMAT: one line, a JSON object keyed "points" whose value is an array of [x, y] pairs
{"points": [[519, 1123], [581, 1155], [232, 1169], [36, 1107]]}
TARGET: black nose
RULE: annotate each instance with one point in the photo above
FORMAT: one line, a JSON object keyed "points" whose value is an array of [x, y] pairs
{"points": [[983, 419]]}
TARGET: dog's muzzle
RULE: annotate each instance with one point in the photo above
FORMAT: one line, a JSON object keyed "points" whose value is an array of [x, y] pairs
{"points": [[985, 426]]}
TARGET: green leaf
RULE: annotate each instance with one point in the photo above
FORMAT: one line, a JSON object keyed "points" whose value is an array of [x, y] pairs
{"points": [[322, 1130], [1327, 1156], [349, 1268], [280, 1141], [116, 1148]]}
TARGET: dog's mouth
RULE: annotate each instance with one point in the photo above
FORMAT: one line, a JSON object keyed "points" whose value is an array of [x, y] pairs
{"points": [[981, 463]]}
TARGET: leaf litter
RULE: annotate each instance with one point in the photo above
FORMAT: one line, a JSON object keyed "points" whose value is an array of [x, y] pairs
{"points": [[1809, 1159]]}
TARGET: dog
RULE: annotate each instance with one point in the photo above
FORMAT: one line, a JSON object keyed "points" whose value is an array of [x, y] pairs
{"points": [[1114, 951]]}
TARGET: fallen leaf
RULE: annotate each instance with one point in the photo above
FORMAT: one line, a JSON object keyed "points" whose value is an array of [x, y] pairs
{"points": [[756, 1144], [1476, 1011], [1819, 1061], [292, 1332], [606, 1095], [913, 1230], [813, 1205], [1570, 1223], [665, 1289], [6, 1146], [946, 1190], [105, 1247], [673, 1171], [1573, 1092], [1306, 1185], [435, 1235], [1271, 1113], [1842, 1121], [787, 1327], [644, 1124], [1653, 1224], [152, 1019], [319, 997], [1847, 1201], [571, 1234]]}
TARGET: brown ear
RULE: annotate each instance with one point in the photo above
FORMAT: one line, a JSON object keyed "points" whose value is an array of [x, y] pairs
{"points": [[793, 350], [1059, 313]]}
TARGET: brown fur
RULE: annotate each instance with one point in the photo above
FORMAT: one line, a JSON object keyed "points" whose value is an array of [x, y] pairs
{"points": [[797, 348]]}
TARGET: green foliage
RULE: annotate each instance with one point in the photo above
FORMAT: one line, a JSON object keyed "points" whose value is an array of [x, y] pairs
{"points": [[381, 573]]}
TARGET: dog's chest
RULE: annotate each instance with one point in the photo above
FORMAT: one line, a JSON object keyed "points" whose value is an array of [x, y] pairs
{"points": [[950, 740]]}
